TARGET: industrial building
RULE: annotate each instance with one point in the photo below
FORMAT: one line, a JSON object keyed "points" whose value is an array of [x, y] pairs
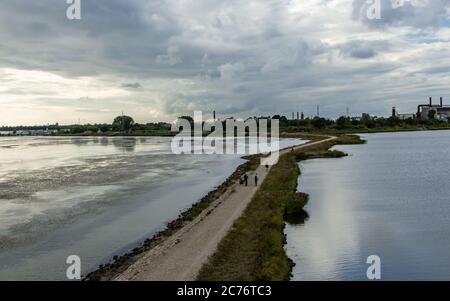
{"points": [[430, 111], [427, 111], [402, 116]]}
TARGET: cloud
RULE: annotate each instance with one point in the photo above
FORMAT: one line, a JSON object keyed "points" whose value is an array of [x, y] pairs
{"points": [[171, 58], [159, 59], [414, 13], [364, 49]]}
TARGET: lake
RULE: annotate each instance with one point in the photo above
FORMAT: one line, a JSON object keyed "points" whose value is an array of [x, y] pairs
{"points": [[93, 197], [390, 198]]}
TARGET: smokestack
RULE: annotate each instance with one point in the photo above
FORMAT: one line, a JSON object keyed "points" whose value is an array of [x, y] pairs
{"points": [[431, 101], [442, 103], [214, 113], [394, 112], [302, 116]]}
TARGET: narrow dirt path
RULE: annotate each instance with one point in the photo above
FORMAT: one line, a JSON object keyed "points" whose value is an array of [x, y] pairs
{"points": [[180, 257]]}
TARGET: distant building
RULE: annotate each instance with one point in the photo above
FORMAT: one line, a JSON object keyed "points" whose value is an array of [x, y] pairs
{"points": [[405, 116], [40, 132], [6, 133], [402, 116], [427, 111]]}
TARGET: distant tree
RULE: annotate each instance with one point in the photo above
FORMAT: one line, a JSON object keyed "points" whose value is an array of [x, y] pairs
{"points": [[138, 127], [279, 117], [365, 118], [319, 123], [393, 121], [78, 129], [355, 122], [122, 123], [104, 127], [411, 121], [342, 122], [368, 121]]}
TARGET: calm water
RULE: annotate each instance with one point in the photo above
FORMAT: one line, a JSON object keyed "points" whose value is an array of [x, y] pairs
{"points": [[390, 198], [92, 197]]}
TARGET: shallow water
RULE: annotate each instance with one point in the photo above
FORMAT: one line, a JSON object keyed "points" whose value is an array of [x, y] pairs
{"points": [[92, 197], [390, 198]]}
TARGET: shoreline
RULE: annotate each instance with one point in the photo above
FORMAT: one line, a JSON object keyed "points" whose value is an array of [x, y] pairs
{"points": [[285, 133], [183, 255], [119, 263], [259, 254], [118, 266]]}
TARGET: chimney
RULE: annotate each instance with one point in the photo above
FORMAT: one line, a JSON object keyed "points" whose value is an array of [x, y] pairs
{"points": [[394, 112], [431, 101], [442, 102], [302, 116], [214, 113]]}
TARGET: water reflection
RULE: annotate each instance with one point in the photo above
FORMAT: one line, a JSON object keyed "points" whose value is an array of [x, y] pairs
{"points": [[297, 219], [389, 198], [92, 196], [125, 144]]}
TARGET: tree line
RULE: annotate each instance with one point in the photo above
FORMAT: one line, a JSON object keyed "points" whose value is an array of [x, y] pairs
{"points": [[120, 124]]}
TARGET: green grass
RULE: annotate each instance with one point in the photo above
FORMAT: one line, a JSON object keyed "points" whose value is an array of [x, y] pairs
{"points": [[254, 248]]}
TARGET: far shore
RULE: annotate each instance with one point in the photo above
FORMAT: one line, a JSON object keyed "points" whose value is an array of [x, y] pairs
{"points": [[285, 132]]}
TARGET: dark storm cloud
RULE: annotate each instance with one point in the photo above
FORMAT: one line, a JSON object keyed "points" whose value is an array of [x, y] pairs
{"points": [[251, 57]]}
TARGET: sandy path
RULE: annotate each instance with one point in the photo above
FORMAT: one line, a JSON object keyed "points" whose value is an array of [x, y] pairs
{"points": [[181, 256]]}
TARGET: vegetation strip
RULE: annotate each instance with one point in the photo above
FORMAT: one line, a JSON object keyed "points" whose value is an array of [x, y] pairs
{"points": [[254, 247]]}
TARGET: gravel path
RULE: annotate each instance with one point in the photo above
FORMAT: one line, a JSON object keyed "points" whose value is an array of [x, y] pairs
{"points": [[180, 257]]}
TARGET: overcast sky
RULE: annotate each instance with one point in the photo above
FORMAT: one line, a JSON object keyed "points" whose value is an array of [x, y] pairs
{"points": [[158, 59]]}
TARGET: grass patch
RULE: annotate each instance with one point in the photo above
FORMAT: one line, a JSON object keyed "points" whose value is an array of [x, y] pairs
{"points": [[254, 248]]}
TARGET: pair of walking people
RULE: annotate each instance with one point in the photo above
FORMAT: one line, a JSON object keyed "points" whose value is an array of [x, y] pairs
{"points": [[246, 180]]}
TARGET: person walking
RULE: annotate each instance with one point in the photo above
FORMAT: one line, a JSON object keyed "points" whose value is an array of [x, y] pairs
{"points": [[256, 179], [246, 180]]}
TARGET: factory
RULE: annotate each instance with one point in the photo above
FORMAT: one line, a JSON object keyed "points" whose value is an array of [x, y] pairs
{"points": [[427, 111], [430, 111]]}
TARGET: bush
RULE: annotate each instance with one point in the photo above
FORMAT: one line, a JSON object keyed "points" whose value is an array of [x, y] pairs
{"points": [[296, 204]]}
